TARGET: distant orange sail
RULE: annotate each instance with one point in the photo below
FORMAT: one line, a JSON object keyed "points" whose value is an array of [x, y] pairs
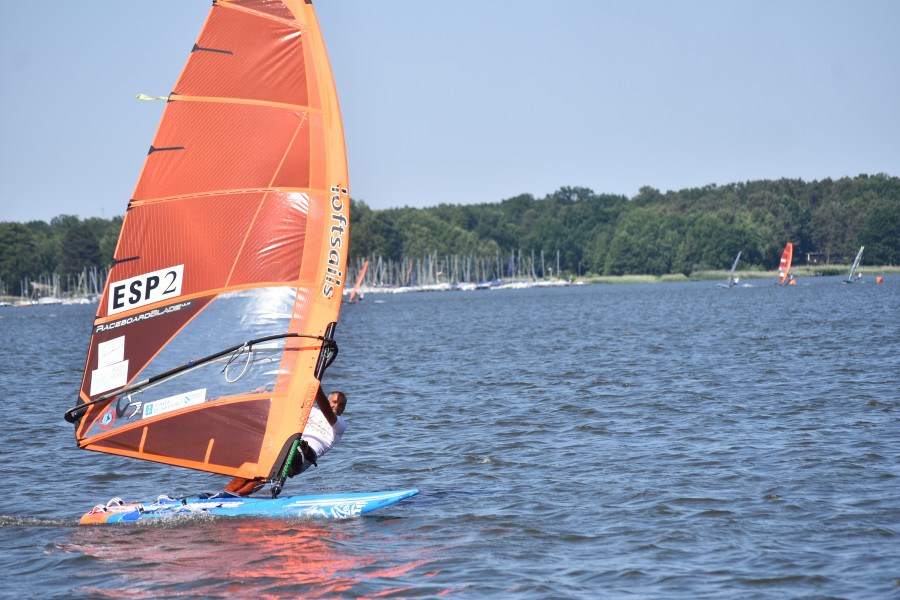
{"points": [[218, 316], [784, 266], [359, 280]]}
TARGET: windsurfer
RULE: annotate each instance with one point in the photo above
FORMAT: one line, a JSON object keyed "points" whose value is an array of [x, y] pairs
{"points": [[323, 430]]}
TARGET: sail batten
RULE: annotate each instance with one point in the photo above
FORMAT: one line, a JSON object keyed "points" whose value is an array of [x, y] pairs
{"points": [[237, 230], [246, 101], [221, 192]]}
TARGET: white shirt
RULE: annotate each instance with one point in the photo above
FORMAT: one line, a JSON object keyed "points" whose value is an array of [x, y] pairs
{"points": [[319, 434]]}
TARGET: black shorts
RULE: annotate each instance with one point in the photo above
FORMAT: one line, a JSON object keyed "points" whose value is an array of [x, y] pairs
{"points": [[304, 457]]}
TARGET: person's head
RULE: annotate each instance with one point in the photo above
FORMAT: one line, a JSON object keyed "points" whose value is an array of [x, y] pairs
{"points": [[338, 402]]}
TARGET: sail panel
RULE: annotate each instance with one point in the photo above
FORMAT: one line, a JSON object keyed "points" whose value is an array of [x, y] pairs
{"points": [[226, 436], [319, 150], [199, 233], [299, 166], [229, 62], [275, 247], [204, 147], [273, 7], [112, 362], [265, 369]]}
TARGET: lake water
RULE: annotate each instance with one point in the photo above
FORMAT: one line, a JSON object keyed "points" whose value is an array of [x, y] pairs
{"points": [[667, 440]]}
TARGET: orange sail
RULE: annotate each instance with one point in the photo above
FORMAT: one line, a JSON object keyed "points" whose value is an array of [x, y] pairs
{"points": [[359, 280], [217, 320], [784, 266]]}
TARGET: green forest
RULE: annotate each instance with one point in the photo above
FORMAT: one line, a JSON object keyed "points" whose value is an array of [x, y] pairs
{"points": [[652, 233], [64, 249]]}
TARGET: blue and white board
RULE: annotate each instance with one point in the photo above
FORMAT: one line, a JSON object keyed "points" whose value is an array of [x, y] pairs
{"points": [[338, 506]]}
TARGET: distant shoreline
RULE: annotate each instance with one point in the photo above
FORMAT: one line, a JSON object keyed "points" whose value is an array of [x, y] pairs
{"points": [[715, 275], [798, 272]]}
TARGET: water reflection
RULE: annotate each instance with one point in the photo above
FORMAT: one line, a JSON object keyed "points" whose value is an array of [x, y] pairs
{"points": [[261, 558]]}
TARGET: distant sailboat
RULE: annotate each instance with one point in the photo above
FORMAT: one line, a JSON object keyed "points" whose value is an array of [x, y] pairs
{"points": [[853, 276], [784, 266], [362, 273], [732, 280]]}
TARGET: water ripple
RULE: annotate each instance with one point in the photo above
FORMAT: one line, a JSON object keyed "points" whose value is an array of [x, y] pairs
{"points": [[651, 441]]}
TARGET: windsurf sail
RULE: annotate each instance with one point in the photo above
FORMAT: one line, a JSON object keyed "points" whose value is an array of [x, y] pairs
{"points": [[850, 277], [359, 280], [218, 317], [731, 280], [784, 266]]}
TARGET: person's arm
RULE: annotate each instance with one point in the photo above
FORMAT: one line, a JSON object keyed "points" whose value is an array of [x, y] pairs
{"points": [[325, 407]]}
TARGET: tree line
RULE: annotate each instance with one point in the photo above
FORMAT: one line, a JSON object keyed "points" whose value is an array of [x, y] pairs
{"points": [[652, 233], [63, 248]]}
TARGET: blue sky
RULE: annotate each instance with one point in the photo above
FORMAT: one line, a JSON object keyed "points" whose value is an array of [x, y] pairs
{"points": [[477, 102]]}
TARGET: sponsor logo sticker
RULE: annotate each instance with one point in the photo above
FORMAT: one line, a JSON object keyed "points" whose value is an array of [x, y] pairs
{"points": [[145, 289], [111, 352], [334, 275], [107, 419], [144, 316], [158, 407], [109, 377]]}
